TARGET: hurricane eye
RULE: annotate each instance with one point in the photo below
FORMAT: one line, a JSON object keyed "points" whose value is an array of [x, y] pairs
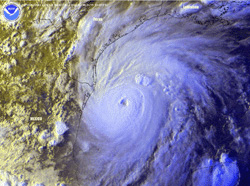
{"points": [[124, 102]]}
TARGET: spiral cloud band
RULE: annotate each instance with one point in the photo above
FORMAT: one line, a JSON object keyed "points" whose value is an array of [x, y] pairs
{"points": [[157, 85]]}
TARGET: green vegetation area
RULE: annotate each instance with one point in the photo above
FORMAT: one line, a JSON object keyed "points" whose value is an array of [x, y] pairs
{"points": [[34, 82]]}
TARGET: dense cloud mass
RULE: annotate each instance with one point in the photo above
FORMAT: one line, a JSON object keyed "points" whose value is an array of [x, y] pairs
{"points": [[164, 92]]}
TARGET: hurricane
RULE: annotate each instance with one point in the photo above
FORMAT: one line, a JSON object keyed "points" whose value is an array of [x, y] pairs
{"points": [[164, 92]]}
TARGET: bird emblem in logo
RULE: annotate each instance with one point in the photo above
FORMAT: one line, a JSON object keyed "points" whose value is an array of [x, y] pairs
{"points": [[11, 12]]}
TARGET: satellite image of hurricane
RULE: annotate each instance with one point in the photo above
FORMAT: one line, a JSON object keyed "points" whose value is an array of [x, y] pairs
{"points": [[125, 93]]}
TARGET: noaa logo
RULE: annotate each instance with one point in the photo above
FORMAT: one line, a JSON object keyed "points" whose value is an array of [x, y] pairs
{"points": [[11, 12]]}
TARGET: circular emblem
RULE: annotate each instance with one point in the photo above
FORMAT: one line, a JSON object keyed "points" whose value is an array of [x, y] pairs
{"points": [[11, 12]]}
